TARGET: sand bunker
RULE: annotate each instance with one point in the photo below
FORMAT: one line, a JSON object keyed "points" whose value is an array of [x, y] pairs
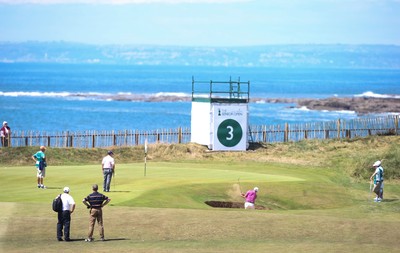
{"points": [[223, 204]]}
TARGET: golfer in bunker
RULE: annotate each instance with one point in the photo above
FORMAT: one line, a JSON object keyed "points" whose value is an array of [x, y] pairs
{"points": [[250, 197]]}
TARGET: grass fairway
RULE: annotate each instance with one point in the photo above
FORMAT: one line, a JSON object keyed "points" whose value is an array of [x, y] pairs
{"points": [[312, 209]]}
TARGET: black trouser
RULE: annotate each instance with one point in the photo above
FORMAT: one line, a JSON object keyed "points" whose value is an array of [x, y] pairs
{"points": [[4, 141], [64, 221]]}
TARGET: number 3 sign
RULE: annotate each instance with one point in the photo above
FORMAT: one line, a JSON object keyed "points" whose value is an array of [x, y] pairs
{"points": [[229, 133]]}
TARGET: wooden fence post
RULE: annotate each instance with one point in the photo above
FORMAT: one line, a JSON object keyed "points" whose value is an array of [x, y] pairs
{"points": [[126, 138], [71, 140], [93, 140], [48, 141], [326, 134], [66, 139], [396, 124], [179, 135], [338, 128], [264, 133], [114, 138], [286, 133]]}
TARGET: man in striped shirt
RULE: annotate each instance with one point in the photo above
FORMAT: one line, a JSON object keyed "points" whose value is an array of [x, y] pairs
{"points": [[95, 201]]}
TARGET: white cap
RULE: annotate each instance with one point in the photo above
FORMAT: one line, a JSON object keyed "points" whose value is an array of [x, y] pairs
{"points": [[66, 189], [256, 189], [377, 164], [4, 122]]}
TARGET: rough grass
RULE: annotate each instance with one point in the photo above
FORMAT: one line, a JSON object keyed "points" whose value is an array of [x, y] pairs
{"points": [[317, 203], [342, 154]]}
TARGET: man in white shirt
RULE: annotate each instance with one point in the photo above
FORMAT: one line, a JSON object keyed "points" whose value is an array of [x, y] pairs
{"points": [[64, 217], [108, 168]]}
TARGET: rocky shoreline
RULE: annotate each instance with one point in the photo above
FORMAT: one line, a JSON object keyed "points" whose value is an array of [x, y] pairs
{"points": [[360, 105]]}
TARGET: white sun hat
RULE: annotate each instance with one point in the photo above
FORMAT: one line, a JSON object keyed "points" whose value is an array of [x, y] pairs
{"points": [[377, 164], [256, 189], [66, 189]]}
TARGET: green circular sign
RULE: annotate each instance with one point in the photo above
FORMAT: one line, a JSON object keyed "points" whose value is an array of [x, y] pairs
{"points": [[229, 133]]}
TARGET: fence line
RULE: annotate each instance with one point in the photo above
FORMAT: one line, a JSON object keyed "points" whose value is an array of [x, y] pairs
{"points": [[326, 130], [360, 127]]}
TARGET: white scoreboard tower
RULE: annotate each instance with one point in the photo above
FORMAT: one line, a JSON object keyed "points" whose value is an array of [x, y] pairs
{"points": [[220, 114]]}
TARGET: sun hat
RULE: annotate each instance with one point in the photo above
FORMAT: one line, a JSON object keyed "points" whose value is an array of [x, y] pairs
{"points": [[256, 189], [66, 189], [377, 164], [4, 122]]}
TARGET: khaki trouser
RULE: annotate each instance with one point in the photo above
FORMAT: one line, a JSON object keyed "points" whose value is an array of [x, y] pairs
{"points": [[96, 214]]}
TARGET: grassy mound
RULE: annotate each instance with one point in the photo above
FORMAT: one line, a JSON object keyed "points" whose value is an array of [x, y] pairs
{"points": [[353, 156]]}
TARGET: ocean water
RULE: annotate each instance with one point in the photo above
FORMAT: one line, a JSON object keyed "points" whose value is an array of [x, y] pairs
{"points": [[59, 97]]}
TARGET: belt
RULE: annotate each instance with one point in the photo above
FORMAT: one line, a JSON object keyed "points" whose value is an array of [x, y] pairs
{"points": [[250, 202]]}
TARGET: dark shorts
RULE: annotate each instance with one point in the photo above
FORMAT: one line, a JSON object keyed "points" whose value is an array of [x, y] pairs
{"points": [[377, 187]]}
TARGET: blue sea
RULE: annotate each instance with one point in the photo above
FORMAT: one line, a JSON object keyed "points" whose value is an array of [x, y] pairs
{"points": [[77, 97]]}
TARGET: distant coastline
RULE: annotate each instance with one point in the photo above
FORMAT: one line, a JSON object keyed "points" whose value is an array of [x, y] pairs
{"points": [[271, 56], [362, 104]]}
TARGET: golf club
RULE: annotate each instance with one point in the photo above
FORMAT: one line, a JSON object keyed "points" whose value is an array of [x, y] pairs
{"points": [[370, 188], [114, 178], [240, 187]]}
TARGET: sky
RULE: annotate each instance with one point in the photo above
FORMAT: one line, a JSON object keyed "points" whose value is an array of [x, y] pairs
{"points": [[221, 23]]}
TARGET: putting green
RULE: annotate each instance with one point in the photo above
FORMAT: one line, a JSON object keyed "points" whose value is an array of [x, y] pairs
{"points": [[129, 180]]}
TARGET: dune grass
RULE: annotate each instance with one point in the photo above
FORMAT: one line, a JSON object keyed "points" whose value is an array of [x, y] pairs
{"points": [[314, 207]]}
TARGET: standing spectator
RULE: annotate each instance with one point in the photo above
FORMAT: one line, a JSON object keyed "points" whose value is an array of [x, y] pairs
{"points": [[5, 134], [377, 176], [40, 163], [95, 201], [108, 167], [64, 217], [250, 196]]}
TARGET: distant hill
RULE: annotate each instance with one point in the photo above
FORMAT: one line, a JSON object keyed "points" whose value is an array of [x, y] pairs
{"points": [[334, 55]]}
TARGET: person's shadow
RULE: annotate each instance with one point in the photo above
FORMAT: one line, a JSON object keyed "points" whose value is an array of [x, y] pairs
{"points": [[106, 240], [390, 200], [115, 239], [53, 188]]}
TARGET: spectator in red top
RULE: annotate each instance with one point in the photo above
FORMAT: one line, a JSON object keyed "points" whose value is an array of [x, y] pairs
{"points": [[5, 134]]}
